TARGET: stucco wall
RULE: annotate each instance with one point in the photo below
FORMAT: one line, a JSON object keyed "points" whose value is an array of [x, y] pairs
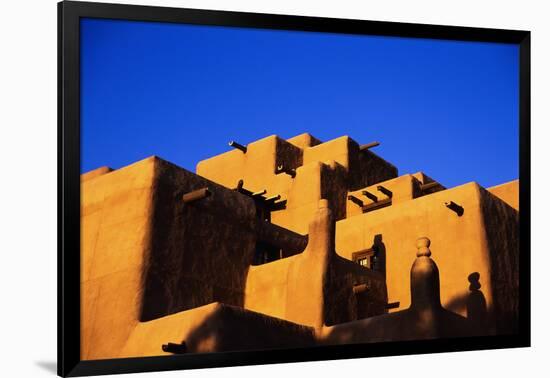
{"points": [[508, 192], [153, 265], [116, 225], [459, 243], [194, 242], [146, 254], [315, 287]]}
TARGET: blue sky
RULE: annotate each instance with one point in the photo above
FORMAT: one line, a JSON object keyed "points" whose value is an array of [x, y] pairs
{"points": [[181, 92]]}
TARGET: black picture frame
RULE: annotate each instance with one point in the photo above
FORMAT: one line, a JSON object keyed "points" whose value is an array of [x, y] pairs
{"points": [[69, 14]]}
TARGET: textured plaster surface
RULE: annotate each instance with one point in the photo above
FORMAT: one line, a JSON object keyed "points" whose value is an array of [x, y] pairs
{"points": [[156, 270]]}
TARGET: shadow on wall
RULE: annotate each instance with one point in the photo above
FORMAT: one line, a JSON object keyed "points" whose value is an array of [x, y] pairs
{"points": [[231, 328], [379, 263], [474, 304], [424, 319], [184, 251]]}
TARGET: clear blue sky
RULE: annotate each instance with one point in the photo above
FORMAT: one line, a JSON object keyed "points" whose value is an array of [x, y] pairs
{"points": [[181, 92]]}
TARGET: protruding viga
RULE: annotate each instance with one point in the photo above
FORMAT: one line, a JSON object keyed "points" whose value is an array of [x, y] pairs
{"points": [[159, 268], [425, 318]]}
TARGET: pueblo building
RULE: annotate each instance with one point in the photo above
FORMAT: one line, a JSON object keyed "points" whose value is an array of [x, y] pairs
{"points": [[290, 243]]}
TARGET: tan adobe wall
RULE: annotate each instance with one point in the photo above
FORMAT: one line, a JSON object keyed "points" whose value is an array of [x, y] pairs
{"points": [[323, 171], [116, 224], [147, 255], [155, 269], [508, 192], [466, 244], [139, 261]]}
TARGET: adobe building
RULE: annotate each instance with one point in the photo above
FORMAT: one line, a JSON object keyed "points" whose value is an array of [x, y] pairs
{"points": [[290, 243]]}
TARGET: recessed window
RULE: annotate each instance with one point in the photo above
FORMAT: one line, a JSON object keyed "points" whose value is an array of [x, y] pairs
{"points": [[364, 261], [365, 258]]}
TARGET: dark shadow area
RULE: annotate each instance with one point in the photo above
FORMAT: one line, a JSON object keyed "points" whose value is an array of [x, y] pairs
{"points": [[476, 305], [266, 253], [356, 292], [424, 319], [458, 303], [367, 168], [275, 242], [230, 328], [502, 225], [49, 366], [379, 258], [190, 243]]}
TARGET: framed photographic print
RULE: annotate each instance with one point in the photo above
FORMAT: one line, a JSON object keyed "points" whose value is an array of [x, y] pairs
{"points": [[240, 188]]}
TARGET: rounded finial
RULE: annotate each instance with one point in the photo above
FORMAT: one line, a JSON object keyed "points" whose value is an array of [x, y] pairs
{"points": [[424, 278], [423, 246], [473, 278]]}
